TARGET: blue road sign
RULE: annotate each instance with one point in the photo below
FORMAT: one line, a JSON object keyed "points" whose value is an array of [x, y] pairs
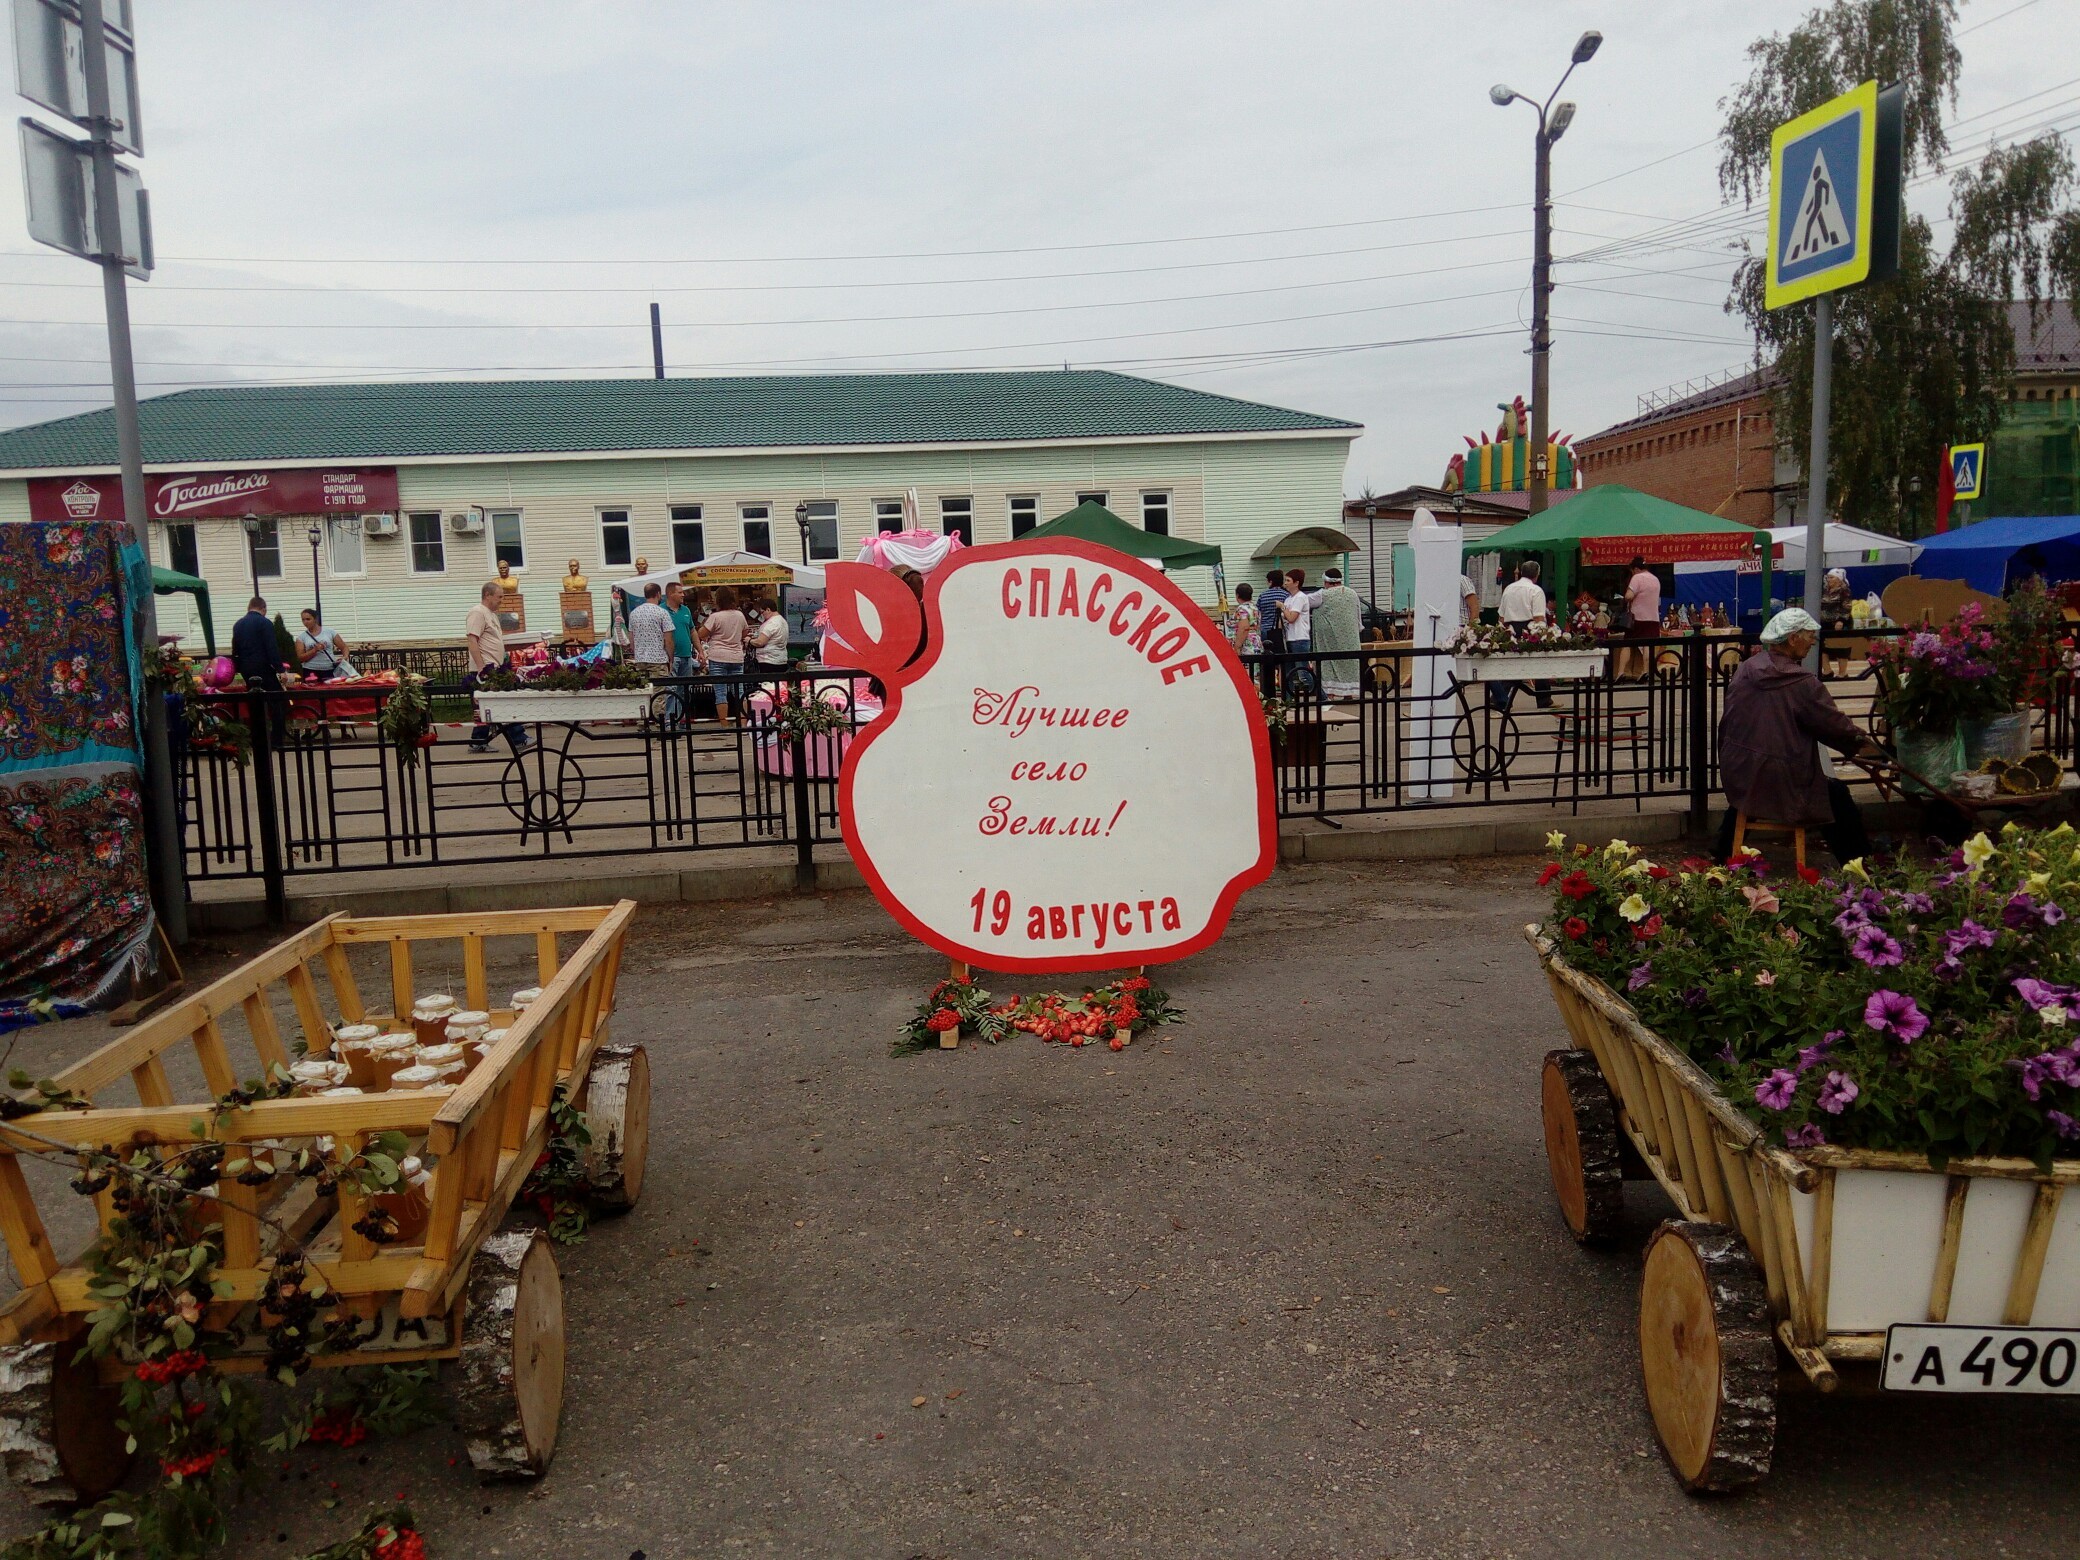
{"points": [[1823, 177], [1967, 470]]}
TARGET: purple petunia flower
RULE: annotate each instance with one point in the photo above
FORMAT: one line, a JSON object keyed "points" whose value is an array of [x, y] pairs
{"points": [[1726, 1054], [1917, 904], [2020, 913], [1813, 1055], [2041, 994], [1694, 997], [1968, 935], [1896, 1014], [1837, 1089], [1807, 1136], [2049, 914], [1642, 975], [1876, 947], [1776, 1091], [2067, 1126], [1851, 921]]}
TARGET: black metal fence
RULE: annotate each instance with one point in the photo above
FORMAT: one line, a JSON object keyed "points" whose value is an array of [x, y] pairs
{"points": [[1391, 729]]}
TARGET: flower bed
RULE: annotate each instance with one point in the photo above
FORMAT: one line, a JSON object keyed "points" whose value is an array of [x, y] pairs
{"points": [[1921, 1009]]}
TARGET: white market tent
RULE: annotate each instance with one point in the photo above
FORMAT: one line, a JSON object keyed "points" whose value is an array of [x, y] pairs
{"points": [[1848, 547], [805, 575]]}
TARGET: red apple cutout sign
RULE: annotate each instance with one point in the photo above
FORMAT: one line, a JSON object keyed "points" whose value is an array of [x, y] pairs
{"points": [[1073, 775]]}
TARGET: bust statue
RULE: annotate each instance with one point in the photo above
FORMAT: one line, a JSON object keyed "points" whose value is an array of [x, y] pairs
{"points": [[642, 566], [574, 580], [505, 574]]}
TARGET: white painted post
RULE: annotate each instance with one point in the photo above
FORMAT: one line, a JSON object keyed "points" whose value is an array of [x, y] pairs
{"points": [[1437, 554]]}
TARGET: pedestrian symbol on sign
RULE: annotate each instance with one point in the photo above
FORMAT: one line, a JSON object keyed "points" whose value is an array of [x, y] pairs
{"points": [[1820, 226], [1967, 470]]}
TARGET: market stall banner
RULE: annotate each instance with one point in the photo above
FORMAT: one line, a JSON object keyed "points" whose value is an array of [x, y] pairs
{"points": [[75, 914], [1696, 547], [1071, 771], [221, 495]]}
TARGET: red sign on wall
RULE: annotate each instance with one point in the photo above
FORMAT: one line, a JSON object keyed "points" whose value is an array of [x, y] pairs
{"points": [[1692, 547], [221, 495]]}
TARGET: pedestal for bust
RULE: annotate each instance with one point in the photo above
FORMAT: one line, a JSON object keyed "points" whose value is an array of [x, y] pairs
{"points": [[512, 610], [574, 612]]}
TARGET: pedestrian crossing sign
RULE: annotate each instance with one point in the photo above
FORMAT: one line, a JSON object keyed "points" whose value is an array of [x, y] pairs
{"points": [[1823, 190], [1967, 470]]}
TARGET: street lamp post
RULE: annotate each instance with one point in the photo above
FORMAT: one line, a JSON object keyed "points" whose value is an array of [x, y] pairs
{"points": [[1553, 120], [1371, 558], [317, 535], [801, 521], [251, 526]]}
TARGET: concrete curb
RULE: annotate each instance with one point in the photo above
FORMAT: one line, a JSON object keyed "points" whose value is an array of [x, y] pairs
{"points": [[1310, 843]]}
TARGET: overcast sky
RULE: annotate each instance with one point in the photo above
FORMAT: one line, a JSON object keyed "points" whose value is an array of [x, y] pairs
{"points": [[1207, 193]]}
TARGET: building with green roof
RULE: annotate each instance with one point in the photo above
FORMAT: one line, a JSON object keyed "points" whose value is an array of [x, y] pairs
{"points": [[446, 479]]}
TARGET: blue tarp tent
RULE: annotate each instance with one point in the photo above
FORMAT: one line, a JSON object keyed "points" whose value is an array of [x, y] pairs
{"points": [[1985, 555]]}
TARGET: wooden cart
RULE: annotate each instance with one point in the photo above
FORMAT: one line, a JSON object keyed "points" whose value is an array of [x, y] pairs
{"points": [[491, 1301], [1816, 1254]]}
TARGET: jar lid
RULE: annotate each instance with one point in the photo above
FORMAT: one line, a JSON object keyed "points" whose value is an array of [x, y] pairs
{"points": [[327, 1093], [469, 1016], [313, 1068], [526, 995], [393, 1042], [417, 1076], [440, 1055], [439, 1002], [493, 1036], [346, 1034], [409, 1165]]}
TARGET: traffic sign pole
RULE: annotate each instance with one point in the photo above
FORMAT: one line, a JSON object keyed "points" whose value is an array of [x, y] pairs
{"points": [[1816, 461], [162, 820]]}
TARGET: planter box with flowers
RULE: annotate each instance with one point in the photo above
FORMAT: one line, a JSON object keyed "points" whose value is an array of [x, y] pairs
{"points": [[596, 691], [1502, 652], [1858, 1090]]}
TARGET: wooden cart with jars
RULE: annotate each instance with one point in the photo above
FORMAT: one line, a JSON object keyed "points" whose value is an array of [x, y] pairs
{"points": [[446, 1283], [1831, 1260]]}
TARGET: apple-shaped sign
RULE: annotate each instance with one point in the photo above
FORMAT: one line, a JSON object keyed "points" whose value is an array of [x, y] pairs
{"points": [[1073, 773]]}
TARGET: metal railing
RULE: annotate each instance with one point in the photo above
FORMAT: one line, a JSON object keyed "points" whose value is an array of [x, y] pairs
{"points": [[1388, 729]]}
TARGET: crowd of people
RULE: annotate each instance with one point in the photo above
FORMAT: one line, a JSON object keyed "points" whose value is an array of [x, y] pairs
{"points": [[678, 633]]}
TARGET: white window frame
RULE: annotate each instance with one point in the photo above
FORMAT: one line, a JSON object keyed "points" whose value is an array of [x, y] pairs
{"points": [[1151, 497], [745, 518], [693, 515], [267, 527], [1099, 496], [1012, 512], [491, 519], [966, 511], [824, 509], [885, 510], [627, 522], [412, 544], [337, 526], [174, 529]]}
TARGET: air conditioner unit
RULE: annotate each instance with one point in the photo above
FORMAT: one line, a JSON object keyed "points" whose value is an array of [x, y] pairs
{"points": [[466, 525], [379, 525]]}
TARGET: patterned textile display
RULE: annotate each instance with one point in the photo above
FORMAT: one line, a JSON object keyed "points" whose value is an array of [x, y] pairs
{"points": [[75, 913]]}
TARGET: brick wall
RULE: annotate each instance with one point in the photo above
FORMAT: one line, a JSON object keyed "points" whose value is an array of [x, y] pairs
{"points": [[1719, 458]]}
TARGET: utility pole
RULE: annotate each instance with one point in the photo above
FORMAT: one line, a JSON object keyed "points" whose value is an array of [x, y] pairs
{"points": [[1553, 120], [162, 821], [657, 340]]}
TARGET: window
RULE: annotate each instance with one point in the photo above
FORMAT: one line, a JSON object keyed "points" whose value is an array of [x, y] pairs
{"points": [[957, 518], [429, 551], [1098, 498], [823, 530], [1025, 514], [616, 546], [1155, 513], [343, 543], [888, 515], [181, 550], [508, 539], [758, 528], [265, 541], [689, 539]]}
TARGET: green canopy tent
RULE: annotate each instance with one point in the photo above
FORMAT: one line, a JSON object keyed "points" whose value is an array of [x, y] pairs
{"points": [[1611, 523], [1091, 522], [165, 582]]}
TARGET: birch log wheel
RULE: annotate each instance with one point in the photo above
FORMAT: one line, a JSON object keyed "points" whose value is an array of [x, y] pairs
{"points": [[1582, 1145], [508, 1391], [58, 1430], [617, 1113], [1707, 1356]]}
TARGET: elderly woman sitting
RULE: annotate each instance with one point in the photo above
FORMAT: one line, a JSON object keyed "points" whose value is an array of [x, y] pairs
{"points": [[1776, 716]]}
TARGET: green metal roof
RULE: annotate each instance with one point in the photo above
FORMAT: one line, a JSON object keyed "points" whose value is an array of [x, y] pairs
{"points": [[375, 422]]}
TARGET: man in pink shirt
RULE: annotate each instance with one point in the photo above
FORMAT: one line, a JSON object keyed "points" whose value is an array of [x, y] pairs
{"points": [[1643, 614]]}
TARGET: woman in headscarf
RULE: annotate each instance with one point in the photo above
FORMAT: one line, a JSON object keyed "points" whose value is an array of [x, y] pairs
{"points": [[1777, 715]]}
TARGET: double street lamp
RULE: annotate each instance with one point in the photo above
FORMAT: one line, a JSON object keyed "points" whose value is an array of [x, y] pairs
{"points": [[1553, 120]]}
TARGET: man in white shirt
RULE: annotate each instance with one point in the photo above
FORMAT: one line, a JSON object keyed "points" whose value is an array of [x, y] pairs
{"points": [[650, 633], [1523, 602], [486, 635], [1297, 610], [1469, 602]]}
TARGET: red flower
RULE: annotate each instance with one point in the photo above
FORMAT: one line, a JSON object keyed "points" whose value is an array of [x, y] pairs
{"points": [[1575, 927], [1657, 873], [1135, 983], [1602, 946], [404, 1544], [1695, 864], [942, 1021], [1577, 885], [190, 1467], [1650, 927], [183, 1362], [1552, 871], [1808, 875]]}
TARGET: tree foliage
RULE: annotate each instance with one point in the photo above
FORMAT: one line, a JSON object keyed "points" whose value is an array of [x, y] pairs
{"points": [[1920, 361]]}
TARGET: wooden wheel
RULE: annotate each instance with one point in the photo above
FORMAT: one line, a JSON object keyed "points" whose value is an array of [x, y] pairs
{"points": [[1707, 1357], [1582, 1145], [58, 1430], [508, 1390], [617, 1111]]}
